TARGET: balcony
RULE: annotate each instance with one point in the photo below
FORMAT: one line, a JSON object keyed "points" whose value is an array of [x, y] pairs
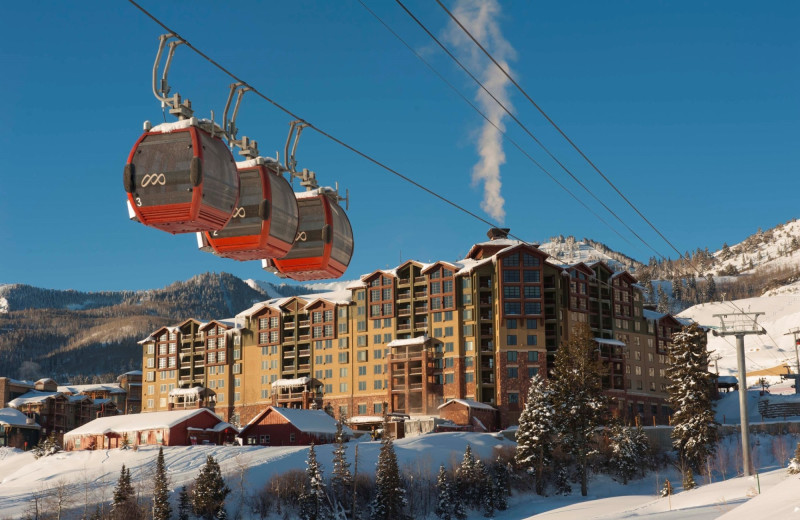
{"points": [[403, 326], [420, 309], [303, 337], [403, 295], [421, 294], [485, 301], [487, 379], [304, 352], [404, 311], [289, 324], [403, 281], [420, 279]]}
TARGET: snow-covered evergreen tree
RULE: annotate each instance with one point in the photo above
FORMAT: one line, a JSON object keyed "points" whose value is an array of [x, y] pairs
{"points": [[663, 300], [694, 430], [446, 499], [486, 487], [184, 505], [313, 502], [390, 497], [562, 481], [123, 503], [47, 446], [341, 479], [794, 463], [501, 477], [629, 451], [578, 398], [535, 433], [209, 492], [467, 480], [666, 489], [162, 510]]}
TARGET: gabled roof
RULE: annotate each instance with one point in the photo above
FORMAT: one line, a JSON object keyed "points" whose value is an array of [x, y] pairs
{"points": [[381, 272], [469, 403], [343, 297], [33, 397], [452, 265], [111, 388], [138, 422], [306, 421], [13, 417], [624, 274]]}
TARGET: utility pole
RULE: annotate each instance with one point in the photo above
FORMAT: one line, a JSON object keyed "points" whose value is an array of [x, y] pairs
{"points": [[740, 324], [796, 376]]}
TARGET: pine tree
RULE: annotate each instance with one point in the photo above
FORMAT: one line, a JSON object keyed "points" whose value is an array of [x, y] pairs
{"points": [[794, 463], [562, 481], [578, 398], [467, 481], [536, 429], [629, 451], [123, 505], [209, 492], [184, 506], [342, 479], [663, 300], [162, 510], [666, 490], [677, 289], [487, 492], [651, 292], [444, 502], [688, 480], [501, 477], [694, 430], [313, 502], [390, 501]]}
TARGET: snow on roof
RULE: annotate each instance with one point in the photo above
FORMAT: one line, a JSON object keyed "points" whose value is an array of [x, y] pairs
{"points": [[133, 373], [311, 421], [284, 383], [469, 403], [613, 342], [469, 264], [343, 297], [34, 396], [361, 419], [137, 422], [220, 426], [12, 417], [112, 388], [77, 398], [419, 340], [727, 379], [100, 402], [652, 315], [21, 382], [195, 391], [355, 284]]}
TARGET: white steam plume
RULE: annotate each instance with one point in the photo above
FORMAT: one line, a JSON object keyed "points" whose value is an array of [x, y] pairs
{"points": [[480, 18]]}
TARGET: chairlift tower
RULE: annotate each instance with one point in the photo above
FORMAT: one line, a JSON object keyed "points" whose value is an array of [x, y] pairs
{"points": [[740, 324], [796, 376]]}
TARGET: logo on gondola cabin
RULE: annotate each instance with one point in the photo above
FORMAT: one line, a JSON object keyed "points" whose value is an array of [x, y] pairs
{"points": [[153, 179], [239, 213], [301, 237]]}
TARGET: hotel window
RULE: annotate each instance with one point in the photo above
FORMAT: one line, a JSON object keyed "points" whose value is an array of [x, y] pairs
{"points": [[532, 341], [448, 378], [263, 337], [328, 315], [513, 372], [532, 276], [531, 324], [533, 291], [532, 371], [511, 261], [511, 356], [274, 322], [533, 357], [511, 308], [362, 408], [511, 276], [511, 339], [529, 260], [533, 308], [511, 291], [362, 385], [343, 387], [469, 346]]}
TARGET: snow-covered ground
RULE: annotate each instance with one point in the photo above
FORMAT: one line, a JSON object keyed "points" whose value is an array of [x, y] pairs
{"points": [[95, 473], [781, 314]]}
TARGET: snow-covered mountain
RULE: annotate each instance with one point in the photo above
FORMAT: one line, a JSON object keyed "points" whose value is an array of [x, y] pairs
{"points": [[781, 314], [773, 249], [570, 250]]}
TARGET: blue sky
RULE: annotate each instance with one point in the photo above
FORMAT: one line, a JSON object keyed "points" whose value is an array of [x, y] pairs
{"points": [[691, 108]]}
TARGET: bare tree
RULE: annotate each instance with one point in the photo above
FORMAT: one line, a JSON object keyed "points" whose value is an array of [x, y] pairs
{"points": [[241, 464], [60, 497]]}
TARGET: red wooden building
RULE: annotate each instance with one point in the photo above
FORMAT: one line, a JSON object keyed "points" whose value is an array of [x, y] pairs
{"points": [[277, 426], [173, 428], [472, 415]]}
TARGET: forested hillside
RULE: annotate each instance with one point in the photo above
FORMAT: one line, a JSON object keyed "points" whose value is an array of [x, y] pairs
{"points": [[63, 334]]}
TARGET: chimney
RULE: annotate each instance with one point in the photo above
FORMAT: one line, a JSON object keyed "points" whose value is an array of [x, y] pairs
{"points": [[498, 233]]}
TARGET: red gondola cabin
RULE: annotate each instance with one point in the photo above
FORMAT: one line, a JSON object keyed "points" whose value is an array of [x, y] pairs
{"points": [[181, 179], [324, 243], [264, 224]]}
